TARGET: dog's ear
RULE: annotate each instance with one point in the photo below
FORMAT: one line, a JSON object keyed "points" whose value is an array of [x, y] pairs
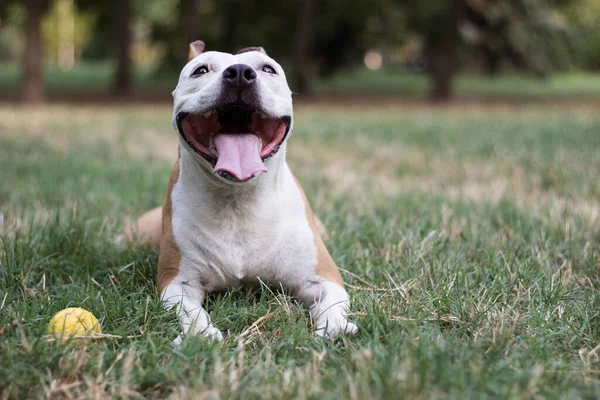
{"points": [[247, 49], [196, 48]]}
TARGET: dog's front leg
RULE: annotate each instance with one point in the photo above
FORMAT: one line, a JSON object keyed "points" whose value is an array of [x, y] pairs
{"points": [[323, 290], [328, 304], [188, 299]]}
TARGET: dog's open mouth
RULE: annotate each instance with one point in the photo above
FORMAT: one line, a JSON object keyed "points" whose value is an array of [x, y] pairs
{"points": [[235, 139]]}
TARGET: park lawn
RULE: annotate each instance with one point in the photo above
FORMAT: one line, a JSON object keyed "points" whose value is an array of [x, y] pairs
{"points": [[89, 78], [514, 87], [469, 239]]}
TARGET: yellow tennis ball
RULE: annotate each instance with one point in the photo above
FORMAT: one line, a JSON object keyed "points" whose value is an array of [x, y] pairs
{"points": [[73, 322]]}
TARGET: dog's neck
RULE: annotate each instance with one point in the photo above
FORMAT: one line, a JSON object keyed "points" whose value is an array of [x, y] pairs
{"points": [[213, 193]]}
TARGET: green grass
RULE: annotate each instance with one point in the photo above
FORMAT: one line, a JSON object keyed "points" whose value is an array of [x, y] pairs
{"points": [[97, 76], [469, 240], [519, 86], [87, 76]]}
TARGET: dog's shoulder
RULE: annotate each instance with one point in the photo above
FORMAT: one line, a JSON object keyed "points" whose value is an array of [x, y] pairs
{"points": [[170, 255], [325, 267]]}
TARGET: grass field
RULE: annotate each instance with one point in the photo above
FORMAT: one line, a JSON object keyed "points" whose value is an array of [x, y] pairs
{"points": [[87, 76], [469, 239], [561, 85], [97, 77]]}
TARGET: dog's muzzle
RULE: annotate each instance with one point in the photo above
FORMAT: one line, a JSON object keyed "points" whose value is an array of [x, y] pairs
{"points": [[235, 139]]}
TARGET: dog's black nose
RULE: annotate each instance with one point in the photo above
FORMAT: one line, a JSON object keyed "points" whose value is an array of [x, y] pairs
{"points": [[239, 75]]}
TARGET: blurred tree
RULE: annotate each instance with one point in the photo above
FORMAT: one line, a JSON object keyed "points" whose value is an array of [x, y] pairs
{"points": [[100, 46], [531, 35], [585, 15], [231, 13], [188, 15], [443, 52], [65, 31], [527, 33], [116, 17], [225, 25], [175, 24], [305, 36], [32, 88], [308, 36], [12, 20], [439, 23], [340, 30], [302, 45], [123, 78]]}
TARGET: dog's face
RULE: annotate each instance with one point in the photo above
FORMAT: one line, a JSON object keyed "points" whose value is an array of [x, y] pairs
{"points": [[232, 111]]}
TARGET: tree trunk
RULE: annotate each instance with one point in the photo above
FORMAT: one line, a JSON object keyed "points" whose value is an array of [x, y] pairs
{"points": [[123, 83], [441, 77], [32, 90], [302, 46], [229, 20], [491, 61], [188, 16], [444, 58]]}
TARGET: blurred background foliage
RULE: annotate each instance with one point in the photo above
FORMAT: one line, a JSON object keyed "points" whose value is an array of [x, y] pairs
{"points": [[135, 45]]}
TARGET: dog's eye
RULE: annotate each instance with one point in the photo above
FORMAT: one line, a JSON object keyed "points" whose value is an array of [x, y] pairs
{"points": [[269, 70], [201, 70]]}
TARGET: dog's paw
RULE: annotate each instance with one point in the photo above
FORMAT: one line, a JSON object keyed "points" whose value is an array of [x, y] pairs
{"points": [[120, 240], [351, 329], [334, 330], [211, 334], [177, 342]]}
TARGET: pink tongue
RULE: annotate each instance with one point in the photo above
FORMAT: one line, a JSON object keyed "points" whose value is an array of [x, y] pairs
{"points": [[239, 154]]}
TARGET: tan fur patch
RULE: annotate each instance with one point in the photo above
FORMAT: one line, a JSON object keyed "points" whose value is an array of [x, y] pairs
{"points": [[196, 48], [169, 257], [321, 228], [326, 267], [247, 49], [147, 228]]}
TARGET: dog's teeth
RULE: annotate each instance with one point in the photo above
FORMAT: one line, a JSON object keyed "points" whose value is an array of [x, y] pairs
{"points": [[263, 116], [259, 140], [211, 145], [208, 114]]}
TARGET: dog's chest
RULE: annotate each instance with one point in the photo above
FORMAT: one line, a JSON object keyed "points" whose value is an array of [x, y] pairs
{"points": [[225, 247], [237, 248]]}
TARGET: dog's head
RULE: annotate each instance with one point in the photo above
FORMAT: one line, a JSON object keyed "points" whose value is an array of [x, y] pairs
{"points": [[232, 111]]}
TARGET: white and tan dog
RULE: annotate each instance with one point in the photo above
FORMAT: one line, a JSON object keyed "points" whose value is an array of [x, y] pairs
{"points": [[234, 213]]}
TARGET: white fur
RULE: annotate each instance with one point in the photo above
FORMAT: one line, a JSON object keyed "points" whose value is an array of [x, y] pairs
{"points": [[229, 233]]}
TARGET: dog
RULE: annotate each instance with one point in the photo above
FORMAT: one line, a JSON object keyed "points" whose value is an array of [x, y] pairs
{"points": [[234, 213]]}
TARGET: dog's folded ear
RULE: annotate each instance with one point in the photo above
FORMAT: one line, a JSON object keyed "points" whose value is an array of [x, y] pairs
{"points": [[196, 48], [247, 49]]}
